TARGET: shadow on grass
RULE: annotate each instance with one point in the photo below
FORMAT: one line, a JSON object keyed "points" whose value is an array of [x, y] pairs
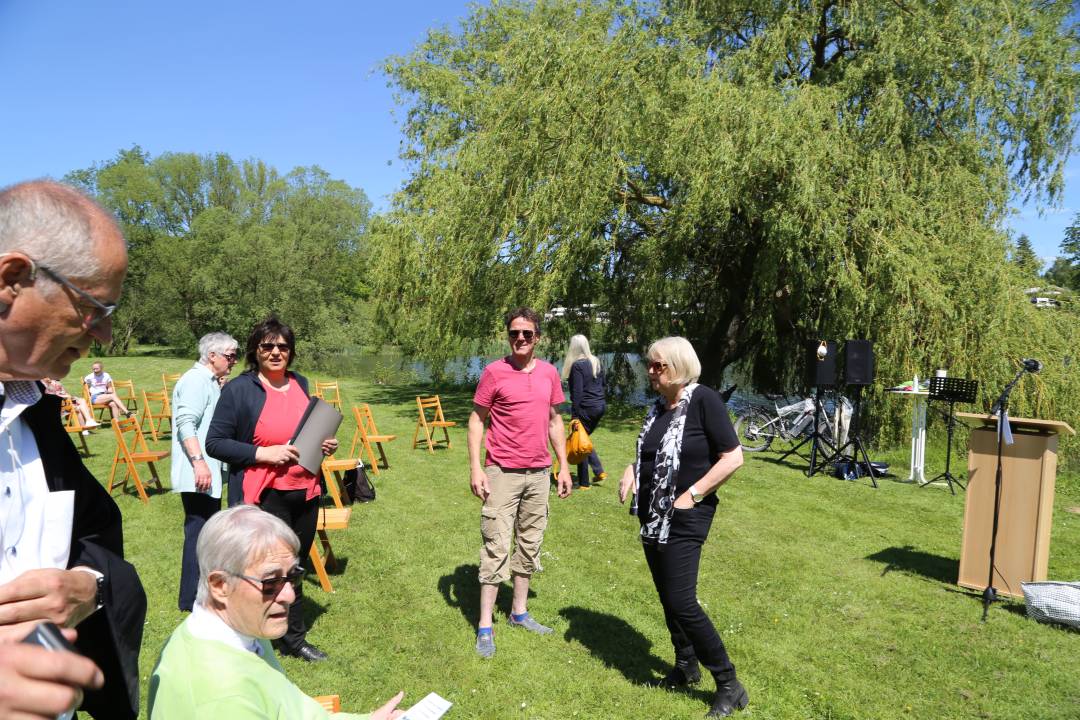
{"points": [[461, 589], [908, 559], [312, 609], [615, 643]]}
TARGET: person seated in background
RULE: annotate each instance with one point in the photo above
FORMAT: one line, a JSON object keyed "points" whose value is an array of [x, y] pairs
{"points": [[101, 388], [86, 415], [218, 663]]}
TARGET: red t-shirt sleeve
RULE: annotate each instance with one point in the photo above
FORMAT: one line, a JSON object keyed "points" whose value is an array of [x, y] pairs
{"points": [[485, 389]]}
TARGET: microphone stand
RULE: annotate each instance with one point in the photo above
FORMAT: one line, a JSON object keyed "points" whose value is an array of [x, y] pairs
{"points": [[1001, 407]]}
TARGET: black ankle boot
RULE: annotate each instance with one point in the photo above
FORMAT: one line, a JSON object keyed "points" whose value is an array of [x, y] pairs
{"points": [[730, 696], [686, 671]]}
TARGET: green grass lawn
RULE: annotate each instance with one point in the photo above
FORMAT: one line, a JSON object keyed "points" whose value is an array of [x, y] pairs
{"points": [[835, 600]]}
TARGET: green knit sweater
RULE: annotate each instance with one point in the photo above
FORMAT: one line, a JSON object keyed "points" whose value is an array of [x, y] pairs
{"points": [[197, 678]]}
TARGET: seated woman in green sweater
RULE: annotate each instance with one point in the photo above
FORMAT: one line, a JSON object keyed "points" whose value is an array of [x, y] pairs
{"points": [[219, 663]]}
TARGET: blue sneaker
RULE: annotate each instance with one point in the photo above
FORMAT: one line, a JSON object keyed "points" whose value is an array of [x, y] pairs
{"points": [[485, 644], [529, 624]]}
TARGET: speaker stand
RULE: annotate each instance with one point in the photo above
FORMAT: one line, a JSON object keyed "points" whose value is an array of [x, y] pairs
{"points": [[815, 438], [855, 440]]}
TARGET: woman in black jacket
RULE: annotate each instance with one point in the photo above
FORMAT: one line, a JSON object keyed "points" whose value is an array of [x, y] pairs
{"points": [[585, 378], [255, 418]]}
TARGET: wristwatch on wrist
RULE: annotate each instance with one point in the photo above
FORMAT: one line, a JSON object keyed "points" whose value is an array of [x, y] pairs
{"points": [[698, 497], [195, 458], [99, 596]]}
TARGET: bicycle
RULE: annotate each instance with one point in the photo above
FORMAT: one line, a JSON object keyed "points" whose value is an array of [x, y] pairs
{"points": [[757, 426]]}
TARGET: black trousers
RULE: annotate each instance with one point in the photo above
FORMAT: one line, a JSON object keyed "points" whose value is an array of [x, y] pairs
{"points": [[590, 418], [198, 508], [301, 515], [675, 573]]}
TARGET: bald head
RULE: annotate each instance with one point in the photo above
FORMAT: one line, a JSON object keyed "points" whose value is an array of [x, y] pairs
{"points": [[59, 227]]}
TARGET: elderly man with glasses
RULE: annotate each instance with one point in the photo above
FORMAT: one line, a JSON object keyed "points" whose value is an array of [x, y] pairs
{"points": [[219, 663], [517, 399], [195, 475], [62, 265]]}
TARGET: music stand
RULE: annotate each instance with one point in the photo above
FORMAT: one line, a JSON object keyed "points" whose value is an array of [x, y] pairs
{"points": [[952, 391]]}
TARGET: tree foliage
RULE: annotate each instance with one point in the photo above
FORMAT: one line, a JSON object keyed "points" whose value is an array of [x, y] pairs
{"points": [[217, 245], [1025, 258], [748, 174]]}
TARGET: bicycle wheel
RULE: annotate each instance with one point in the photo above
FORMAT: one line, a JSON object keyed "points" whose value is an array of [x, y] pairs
{"points": [[751, 428]]}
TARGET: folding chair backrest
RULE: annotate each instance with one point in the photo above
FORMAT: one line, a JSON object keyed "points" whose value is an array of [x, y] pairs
{"points": [[125, 391], [71, 417], [129, 435], [329, 391], [428, 403], [159, 398], [168, 380]]}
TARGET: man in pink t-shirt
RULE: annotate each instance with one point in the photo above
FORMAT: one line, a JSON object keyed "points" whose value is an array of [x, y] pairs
{"points": [[516, 399]]}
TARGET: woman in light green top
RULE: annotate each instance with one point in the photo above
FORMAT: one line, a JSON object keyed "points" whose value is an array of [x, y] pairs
{"points": [[195, 475], [219, 663]]}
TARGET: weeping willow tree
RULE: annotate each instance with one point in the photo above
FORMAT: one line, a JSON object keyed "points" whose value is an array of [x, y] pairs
{"points": [[750, 175]]}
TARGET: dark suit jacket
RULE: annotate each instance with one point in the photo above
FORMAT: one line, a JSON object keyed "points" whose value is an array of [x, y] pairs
{"points": [[110, 637], [232, 429]]}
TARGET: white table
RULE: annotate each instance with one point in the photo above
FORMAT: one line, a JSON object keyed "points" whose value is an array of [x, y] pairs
{"points": [[918, 430]]}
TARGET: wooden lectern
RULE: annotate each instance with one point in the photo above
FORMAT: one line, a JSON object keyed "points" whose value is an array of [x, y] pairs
{"points": [[1028, 469]]}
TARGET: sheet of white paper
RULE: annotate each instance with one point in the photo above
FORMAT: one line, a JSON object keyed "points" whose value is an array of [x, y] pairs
{"points": [[432, 707]]}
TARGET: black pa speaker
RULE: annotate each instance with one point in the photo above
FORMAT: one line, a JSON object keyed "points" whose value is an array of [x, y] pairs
{"points": [[820, 371], [858, 362]]}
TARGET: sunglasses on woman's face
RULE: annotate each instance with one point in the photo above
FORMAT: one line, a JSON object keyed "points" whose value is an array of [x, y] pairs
{"points": [[527, 334], [271, 587], [269, 347], [656, 366]]}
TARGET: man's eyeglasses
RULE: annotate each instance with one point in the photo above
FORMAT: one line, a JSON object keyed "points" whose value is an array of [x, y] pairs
{"points": [[527, 334], [94, 311], [231, 357], [271, 587], [656, 366], [269, 347]]}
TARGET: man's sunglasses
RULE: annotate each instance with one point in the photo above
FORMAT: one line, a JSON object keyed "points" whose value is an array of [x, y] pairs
{"points": [[656, 366], [231, 357], [527, 334], [269, 347], [271, 587], [94, 312]]}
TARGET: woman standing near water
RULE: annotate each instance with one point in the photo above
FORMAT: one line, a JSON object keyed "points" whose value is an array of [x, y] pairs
{"points": [[586, 383]]}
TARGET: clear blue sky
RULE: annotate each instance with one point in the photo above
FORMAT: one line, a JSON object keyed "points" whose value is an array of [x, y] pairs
{"points": [[290, 83]]}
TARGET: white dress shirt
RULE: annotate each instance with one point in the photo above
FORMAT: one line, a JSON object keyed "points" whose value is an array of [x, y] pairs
{"points": [[35, 524], [206, 625]]}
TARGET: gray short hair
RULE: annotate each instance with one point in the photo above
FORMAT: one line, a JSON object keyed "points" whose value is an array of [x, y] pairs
{"points": [[52, 223], [232, 539], [215, 342], [679, 354]]}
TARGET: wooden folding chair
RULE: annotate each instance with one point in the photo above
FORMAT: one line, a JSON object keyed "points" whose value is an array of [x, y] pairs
{"points": [[101, 407], [330, 703], [329, 519], [125, 393], [73, 424], [168, 380], [423, 404], [367, 434], [330, 392], [164, 411], [331, 470], [131, 451]]}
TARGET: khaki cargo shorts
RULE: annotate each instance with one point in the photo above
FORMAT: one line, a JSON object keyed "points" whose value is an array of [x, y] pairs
{"points": [[517, 506]]}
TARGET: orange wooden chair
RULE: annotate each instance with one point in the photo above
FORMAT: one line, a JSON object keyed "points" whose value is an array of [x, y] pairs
{"points": [[423, 404], [367, 434], [330, 703], [331, 470], [131, 449], [101, 407], [330, 392], [329, 519], [168, 380], [73, 424], [125, 393], [156, 417]]}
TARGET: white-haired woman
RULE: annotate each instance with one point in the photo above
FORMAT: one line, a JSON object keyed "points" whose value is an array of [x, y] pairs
{"points": [[196, 475], [219, 663], [686, 450], [585, 379]]}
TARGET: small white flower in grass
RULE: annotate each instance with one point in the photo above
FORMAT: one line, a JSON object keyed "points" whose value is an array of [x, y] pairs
{"points": [[523, 706]]}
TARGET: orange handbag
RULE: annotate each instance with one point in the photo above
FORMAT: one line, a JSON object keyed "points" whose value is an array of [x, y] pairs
{"points": [[578, 444]]}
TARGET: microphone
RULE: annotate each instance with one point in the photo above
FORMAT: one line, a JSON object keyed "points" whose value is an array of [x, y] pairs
{"points": [[1031, 365]]}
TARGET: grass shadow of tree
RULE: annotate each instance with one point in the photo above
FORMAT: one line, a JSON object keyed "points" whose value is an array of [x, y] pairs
{"points": [[908, 559], [461, 589], [614, 642]]}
